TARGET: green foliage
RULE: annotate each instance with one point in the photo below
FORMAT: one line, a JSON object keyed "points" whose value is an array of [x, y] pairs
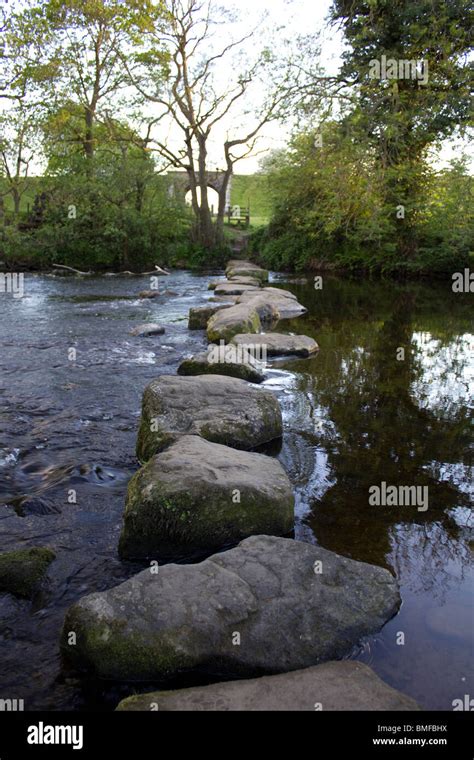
{"points": [[330, 210], [68, 69], [121, 218], [404, 115], [367, 197]]}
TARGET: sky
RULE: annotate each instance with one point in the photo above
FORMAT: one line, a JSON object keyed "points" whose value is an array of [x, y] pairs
{"points": [[286, 19], [306, 17]]}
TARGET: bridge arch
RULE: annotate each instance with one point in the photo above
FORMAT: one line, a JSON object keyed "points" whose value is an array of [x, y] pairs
{"points": [[179, 185]]}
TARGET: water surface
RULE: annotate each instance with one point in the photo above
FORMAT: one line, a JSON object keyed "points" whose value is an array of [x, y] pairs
{"points": [[355, 415]]}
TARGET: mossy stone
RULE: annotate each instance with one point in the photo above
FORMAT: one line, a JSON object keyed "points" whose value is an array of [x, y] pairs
{"points": [[21, 572]]}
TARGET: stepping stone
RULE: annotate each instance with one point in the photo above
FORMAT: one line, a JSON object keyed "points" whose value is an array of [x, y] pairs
{"points": [[224, 360], [278, 344], [149, 294], [21, 572], [279, 292], [285, 303], [266, 308], [238, 268], [291, 605], [197, 497], [335, 686], [220, 409], [227, 300], [253, 308], [146, 331], [252, 281], [229, 322], [234, 289], [199, 317], [245, 281]]}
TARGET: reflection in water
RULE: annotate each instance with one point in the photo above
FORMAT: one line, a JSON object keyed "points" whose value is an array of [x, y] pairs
{"points": [[360, 412], [366, 412]]}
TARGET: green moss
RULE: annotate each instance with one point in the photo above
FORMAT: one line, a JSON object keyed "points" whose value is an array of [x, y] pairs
{"points": [[163, 521], [150, 442], [21, 572], [191, 367], [249, 323], [272, 418], [110, 651]]}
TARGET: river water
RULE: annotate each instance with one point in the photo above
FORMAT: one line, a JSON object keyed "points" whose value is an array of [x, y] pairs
{"points": [[356, 415]]}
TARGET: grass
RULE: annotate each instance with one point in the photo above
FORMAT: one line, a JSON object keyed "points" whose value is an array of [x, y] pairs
{"points": [[251, 190], [247, 190]]}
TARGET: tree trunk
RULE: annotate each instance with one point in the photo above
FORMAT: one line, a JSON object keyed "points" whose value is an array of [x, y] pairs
{"points": [[139, 196], [16, 200], [219, 228], [206, 231], [89, 137]]}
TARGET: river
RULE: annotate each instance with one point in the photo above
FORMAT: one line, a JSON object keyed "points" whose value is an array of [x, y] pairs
{"points": [[361, 412]]}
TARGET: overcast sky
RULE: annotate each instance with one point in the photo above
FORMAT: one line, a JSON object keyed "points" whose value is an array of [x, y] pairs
{"points": [[292, 18]]}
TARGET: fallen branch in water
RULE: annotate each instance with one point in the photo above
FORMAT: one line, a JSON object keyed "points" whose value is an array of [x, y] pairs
{"points": [[157, 271], [70, 269]]}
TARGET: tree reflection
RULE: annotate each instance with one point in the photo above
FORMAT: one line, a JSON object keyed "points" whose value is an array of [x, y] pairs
{"points": [[380, 429]]}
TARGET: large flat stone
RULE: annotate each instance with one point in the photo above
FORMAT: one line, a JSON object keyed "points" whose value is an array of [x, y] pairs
{"points": [[237, 268], [234, 289], [244, 281], [270, 605], [234, 281], [226, 300], [221, 409], [197, 497], [267, 309], [277, 344], [254, 308], [229, 322], [333, 686], [285, 303]]}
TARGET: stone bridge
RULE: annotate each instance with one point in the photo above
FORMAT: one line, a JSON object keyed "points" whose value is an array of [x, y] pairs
{"points": [[179, 184]]}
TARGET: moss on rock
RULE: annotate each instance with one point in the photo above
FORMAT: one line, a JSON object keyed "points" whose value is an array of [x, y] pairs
{"points": [[258, 274], [197, 496], [233, 321], [200, 365], [21, 572]]}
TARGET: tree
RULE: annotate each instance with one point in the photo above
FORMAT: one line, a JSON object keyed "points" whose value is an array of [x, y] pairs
{"points": [[198, 105], [18, 133], [420, 98], [85, 42], [24, 67]]}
